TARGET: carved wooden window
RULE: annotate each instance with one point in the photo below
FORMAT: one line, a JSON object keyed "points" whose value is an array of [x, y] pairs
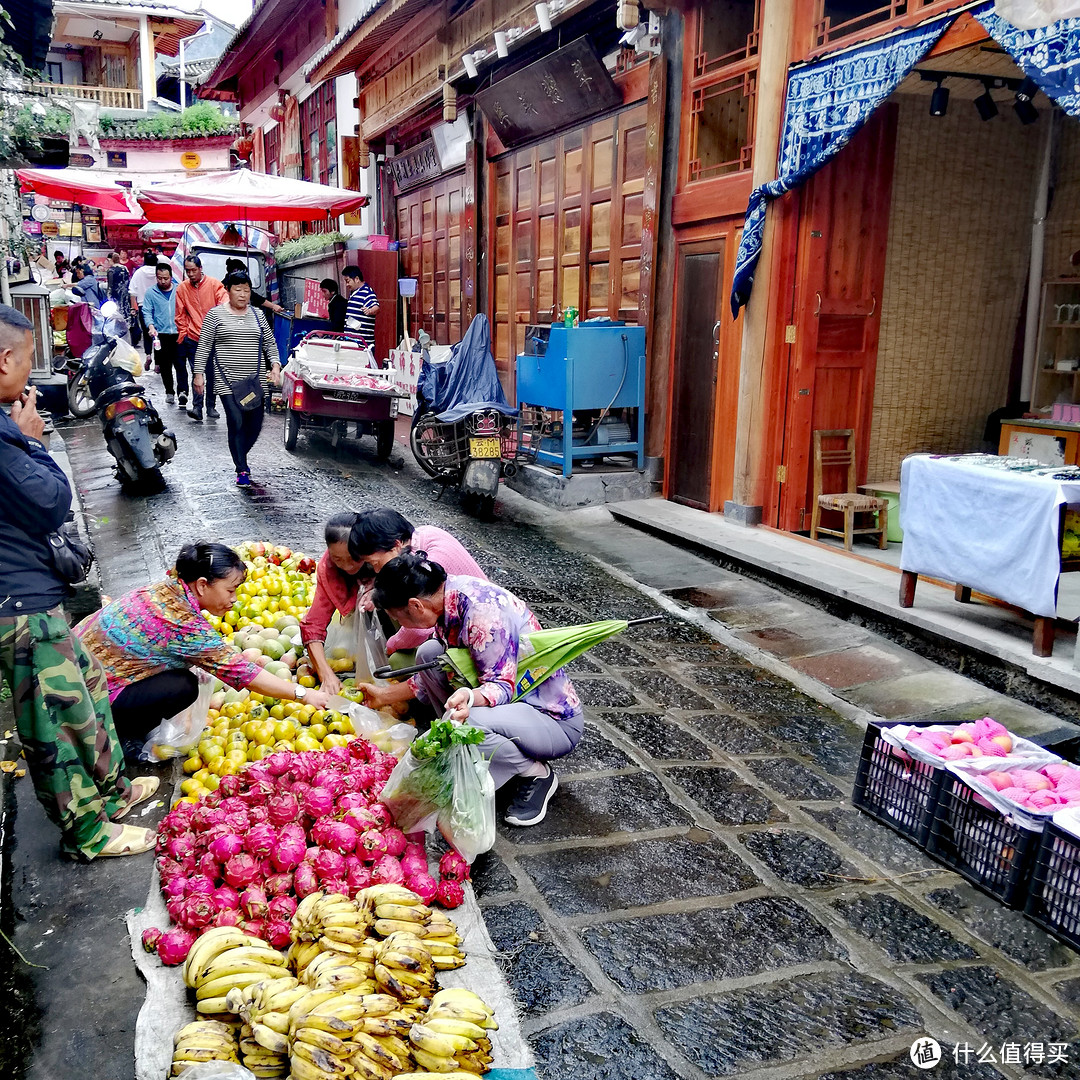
{"points": [[721, 88], [838, 20]]}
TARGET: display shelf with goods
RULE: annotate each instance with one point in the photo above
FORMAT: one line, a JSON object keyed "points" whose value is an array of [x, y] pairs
{"points": [[1058, 358]]}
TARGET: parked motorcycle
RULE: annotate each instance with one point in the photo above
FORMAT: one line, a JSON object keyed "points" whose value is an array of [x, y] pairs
{"points": [[464, 432], [80, 401], [134, 432]]}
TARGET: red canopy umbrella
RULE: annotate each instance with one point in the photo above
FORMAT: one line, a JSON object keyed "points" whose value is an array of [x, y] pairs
{"points": [[127, 218], [230, 196], [82, 186]]}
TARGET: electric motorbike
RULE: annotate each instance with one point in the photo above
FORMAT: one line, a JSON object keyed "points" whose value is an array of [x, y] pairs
{"points": [[464, 431], [135, 434]]}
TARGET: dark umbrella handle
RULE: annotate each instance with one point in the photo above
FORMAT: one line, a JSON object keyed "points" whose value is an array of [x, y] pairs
{"points": [[647, 618], [395, 673]]}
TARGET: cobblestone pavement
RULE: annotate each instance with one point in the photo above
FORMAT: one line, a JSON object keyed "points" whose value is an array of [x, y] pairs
{"points": [[702, 899]]}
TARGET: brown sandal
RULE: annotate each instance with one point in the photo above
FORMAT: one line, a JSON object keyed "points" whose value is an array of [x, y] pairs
{"points": [[141, 789], [127, 840]]}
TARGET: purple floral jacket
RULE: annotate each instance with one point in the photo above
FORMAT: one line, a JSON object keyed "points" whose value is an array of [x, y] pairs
{"points": [[491, 622]]}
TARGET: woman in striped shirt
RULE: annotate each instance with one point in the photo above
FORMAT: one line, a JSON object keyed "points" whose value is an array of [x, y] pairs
{"points": [[236, 339]]}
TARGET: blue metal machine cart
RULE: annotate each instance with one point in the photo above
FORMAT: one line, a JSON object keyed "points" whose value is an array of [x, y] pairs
{"points": [[597, 366]]}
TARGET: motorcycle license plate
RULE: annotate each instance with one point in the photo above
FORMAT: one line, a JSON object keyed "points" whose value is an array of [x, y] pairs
{"points": [[485, 448]]}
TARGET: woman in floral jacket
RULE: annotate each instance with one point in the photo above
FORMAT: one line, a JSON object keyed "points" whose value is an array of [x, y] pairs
{"points": [[522, 735]]}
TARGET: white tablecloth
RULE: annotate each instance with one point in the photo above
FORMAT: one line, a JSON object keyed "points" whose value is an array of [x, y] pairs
{"points": [[990, 529]]}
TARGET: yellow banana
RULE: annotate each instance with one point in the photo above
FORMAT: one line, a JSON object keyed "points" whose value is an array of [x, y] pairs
{"points": [[277, 1021], [312, 999], [373, 1049], [349, 935], [301, 1068], [333, 945], [440, 1043], [448, 963], [193, 1055], [271, 1039], [212, 1006], [282, 1002], [210, 944], [345, 979], [398, 1048], [446, 1026], [221, 987], [381, 1026], [433, 1063], [386, 927], [322, 1040], [389, 894], [203, 1027], [404, 912], [366, 1069], [270, 963], [209, 1046], [306, 908], [402, 961], [320, 1059], [438, 947]]}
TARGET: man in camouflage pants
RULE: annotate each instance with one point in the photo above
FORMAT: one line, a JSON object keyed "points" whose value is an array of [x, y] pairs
{"points": [[65, 726], [59, 691]]}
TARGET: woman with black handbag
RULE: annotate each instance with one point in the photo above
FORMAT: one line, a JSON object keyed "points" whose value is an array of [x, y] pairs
{"points": [[236, 339]]}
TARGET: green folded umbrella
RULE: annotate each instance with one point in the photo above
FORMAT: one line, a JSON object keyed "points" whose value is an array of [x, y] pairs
{"points": [[551, 650]]}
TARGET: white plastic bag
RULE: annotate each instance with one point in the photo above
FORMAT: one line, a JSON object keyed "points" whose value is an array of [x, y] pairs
{"points": [[342, 638], [468, 824], [373, 642], [1030, 14], [126, 357], [181, 732]]}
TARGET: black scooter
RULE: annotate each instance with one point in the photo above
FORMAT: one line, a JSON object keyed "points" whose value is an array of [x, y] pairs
{"points": [[134, 432]]}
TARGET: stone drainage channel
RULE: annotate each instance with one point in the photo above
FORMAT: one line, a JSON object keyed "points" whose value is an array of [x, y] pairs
{"points": [[702, 899]]}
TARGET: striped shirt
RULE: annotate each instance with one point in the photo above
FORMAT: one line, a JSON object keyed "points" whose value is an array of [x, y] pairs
{"points": [[355, 320], [234, 340]]}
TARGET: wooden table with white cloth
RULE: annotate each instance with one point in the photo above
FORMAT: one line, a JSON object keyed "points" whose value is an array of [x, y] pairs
{"points": [[986, 527]]}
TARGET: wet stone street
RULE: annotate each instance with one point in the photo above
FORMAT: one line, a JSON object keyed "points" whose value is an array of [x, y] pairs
{"points": [[702, 900]]}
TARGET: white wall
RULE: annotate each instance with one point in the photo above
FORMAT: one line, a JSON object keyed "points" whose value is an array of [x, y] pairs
{"points": [[155, 161]]}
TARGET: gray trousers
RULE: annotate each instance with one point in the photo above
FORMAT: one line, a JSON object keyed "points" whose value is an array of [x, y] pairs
{"points": [[517, 734]]}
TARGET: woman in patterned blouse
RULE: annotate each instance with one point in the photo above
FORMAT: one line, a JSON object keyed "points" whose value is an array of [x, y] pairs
{"points": [[523, 735], [150, 639]]}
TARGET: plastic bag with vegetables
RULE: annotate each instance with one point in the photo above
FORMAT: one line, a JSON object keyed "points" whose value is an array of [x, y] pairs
{"points": [[443, 780]]}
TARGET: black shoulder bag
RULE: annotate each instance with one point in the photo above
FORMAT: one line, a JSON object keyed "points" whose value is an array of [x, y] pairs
{"points": [[247, 392], [71, 557]]}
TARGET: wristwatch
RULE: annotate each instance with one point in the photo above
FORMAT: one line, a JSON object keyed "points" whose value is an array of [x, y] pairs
{"points": [[300, 692]]}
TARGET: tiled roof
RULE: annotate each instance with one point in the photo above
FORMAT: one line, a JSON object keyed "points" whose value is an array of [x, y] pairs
{"points": [[128, 129], [366, 8]]}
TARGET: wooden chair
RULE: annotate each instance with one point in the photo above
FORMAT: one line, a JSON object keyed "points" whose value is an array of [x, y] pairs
{"points": [[850, 502]]}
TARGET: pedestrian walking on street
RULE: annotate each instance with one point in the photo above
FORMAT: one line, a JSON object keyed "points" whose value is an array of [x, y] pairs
{"points": [[144, 279], [236, 341], [148, 641], [362, 307], [119, 286], [195, 296], [159, 318], [522, 736], [358, 546], [59, 690]]}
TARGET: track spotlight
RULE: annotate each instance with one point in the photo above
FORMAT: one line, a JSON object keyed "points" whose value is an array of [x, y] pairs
{"points": [[939, 100], [1023, 106], [469, 60], [543, 17], [500, 44], [986, 105]]}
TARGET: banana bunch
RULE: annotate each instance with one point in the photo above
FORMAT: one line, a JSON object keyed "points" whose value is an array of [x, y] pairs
{"points": [[336, 971], [403, 965], [333, 1034], [264, 1008], [231, 960], [453, 1035], [397, 908], [333, 920], [300, 955], [258, 1060], [203, 1040], [442, 940]]}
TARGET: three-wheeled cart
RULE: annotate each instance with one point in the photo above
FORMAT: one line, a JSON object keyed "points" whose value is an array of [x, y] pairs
{"points": [[333, 381]]}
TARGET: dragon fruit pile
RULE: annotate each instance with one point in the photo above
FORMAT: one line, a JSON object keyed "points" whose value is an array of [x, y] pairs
{"points": [[284, 827], [983, 738], [1051, 787]]}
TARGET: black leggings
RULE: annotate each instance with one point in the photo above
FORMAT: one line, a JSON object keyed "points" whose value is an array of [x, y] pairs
{"points": [[142, 705], [244, 428]]}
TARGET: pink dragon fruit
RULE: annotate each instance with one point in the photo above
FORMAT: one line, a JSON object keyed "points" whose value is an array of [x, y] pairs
{"points": [[329, 864], [395, 841], [278, 884], [253, 902], [282, 808], [174, 945], [339, 837], [225, 898], [305, 880], [259, 840], [150, 938], [199, 909], [451, 893], [424, 885], [278, 933], [453, 867], [225, 847], [386, 870], [371, 844], [282, 908], [227, 917], [241, 870]]}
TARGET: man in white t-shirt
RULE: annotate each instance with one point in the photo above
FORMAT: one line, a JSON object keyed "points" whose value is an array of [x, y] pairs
{"points": [[144, 279]]}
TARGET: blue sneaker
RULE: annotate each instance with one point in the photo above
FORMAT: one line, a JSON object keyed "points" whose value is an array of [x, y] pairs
{"points": [[243, 479]]}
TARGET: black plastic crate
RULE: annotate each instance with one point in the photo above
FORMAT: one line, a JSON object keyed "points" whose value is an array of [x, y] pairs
{"points": [[899, 792], [981, 844], [1054, 899]]}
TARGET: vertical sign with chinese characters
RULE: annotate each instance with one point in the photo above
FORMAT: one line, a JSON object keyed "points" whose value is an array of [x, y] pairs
{"points": [[315, 304], [561, 90], [653, 160]]}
